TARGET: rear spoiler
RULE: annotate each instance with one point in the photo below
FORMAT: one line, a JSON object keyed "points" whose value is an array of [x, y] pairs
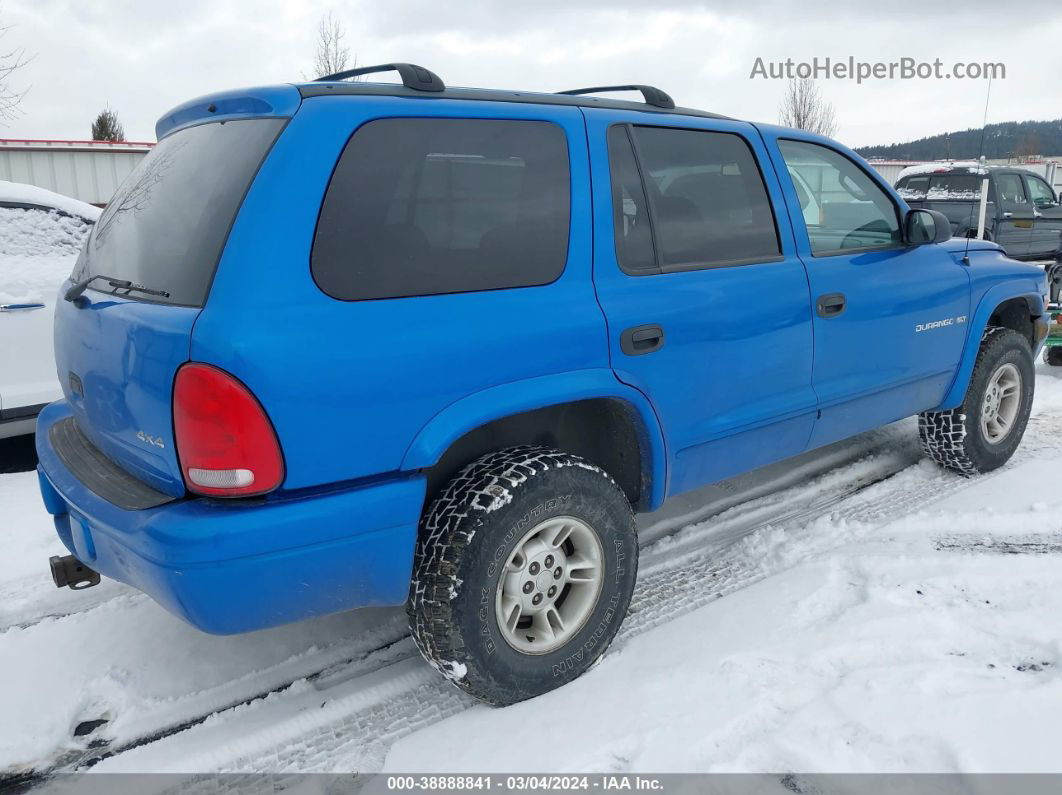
{"points": [[267, 102]]}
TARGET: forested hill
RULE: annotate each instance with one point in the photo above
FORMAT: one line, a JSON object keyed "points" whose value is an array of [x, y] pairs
{"points": [[1007, 139]]}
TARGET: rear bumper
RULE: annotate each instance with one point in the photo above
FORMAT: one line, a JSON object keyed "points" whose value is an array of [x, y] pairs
{"points": [[228, 567]]}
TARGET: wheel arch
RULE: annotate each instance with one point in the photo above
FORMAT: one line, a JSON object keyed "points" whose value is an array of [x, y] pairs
{"points": [[588, 412], [968, 229], [1011, 305]]}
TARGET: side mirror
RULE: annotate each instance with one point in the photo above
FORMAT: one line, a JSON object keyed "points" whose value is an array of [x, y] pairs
{"points": [[926, 226]]}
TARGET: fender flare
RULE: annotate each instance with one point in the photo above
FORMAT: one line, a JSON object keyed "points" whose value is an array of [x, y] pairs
{"points": [[964, 228], [516, 397], [1006, 291]]}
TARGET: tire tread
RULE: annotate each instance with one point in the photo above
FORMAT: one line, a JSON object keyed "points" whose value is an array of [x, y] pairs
{"points": [[943, 434], [482, 487]]}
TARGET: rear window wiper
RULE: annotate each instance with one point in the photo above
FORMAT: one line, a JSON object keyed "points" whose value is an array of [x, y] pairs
{"points": [[77, 289]]}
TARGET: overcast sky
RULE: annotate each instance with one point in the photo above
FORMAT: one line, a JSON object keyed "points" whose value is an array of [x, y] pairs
{"points": [[142, 57]]}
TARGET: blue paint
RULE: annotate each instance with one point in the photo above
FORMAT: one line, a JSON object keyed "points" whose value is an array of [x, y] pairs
{"points": [[366, 395], [279, 102], [125, 354], [235, 567]]}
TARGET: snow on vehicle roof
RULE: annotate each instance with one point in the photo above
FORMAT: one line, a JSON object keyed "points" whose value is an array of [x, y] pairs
{"points": [[38, 249], [969, 166], [21, 193]]}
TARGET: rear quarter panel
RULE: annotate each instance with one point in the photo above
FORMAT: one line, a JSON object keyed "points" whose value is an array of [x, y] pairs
{"points": [[348, 385]]}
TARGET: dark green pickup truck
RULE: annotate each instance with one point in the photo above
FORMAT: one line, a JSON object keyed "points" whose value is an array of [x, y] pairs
{"points": [[1023, 214]]}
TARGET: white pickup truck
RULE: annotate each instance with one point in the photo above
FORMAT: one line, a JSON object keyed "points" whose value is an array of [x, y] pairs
{"points": [[41, 234]]}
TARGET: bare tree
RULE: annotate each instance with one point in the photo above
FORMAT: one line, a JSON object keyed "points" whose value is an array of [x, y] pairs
{"points": [[10, 62], [107, 127], [332, 55], [803, 107]]}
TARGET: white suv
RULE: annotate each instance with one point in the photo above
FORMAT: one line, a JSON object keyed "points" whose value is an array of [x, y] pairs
{"points": [[41, 234]]}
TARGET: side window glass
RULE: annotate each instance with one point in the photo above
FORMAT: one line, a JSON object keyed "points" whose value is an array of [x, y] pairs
{"points": [[854, 213], [1039, 192], [630, 211], [1011, 193], [708, 202], [435, 206]]}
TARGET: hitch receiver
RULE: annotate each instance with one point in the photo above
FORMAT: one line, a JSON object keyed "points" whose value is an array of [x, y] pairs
{"points": [[72, 573]]}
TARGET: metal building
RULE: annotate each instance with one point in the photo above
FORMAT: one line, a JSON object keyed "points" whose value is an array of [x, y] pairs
{"points": [[87, 170]]}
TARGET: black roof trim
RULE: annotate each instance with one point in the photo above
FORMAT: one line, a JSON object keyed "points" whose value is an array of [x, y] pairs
{"points": [[491, 95]]}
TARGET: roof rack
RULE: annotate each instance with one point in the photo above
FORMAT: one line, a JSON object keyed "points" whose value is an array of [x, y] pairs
{"points": [[652, 95], [416, 77]]}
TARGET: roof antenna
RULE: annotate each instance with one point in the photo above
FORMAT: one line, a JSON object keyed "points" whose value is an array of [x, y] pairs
{"points": [[984, 182]]}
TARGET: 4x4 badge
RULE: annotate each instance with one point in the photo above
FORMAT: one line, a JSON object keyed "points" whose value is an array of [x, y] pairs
{"points": [[155, 440]]}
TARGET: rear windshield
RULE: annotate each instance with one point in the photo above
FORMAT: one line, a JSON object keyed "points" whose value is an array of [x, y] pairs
{"points": [[167, 223], [942, 187]]}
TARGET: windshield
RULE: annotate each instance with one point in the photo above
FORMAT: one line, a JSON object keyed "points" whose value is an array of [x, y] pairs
{"points": [[167, 223]]}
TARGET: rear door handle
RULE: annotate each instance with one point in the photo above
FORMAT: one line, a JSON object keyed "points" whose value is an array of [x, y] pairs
{"points": [[639, 340], [20, 307], [830, 305]]}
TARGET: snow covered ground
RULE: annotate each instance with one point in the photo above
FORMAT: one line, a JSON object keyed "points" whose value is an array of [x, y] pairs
{"points": [[855, 610]]}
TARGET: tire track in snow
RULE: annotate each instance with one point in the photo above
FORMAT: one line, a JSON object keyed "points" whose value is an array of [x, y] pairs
{"points": [[361, 739], [361, 716], [878, 455], [84, 604], [355, 729]]}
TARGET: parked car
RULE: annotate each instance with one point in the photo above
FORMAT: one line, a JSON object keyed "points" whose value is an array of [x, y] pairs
{"points": [[345, 344], [1053, 343], [1023, 213], [41, 234]]}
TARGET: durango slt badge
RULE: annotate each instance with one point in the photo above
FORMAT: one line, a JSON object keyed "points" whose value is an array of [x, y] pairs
{"points": [[148, 439], [948, 321]]}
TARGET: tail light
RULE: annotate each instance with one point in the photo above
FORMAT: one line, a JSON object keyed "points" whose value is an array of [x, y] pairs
{"points": [[225, 442]]}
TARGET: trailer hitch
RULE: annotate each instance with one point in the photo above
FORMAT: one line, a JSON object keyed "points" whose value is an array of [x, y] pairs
{"points": [[72, 573]]}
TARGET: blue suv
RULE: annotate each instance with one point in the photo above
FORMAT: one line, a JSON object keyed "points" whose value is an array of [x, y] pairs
{"points": [[344, 344]]}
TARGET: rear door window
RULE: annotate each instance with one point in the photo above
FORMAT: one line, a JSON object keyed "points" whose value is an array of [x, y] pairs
{"points": [[167, 223], [434, 206], [706, 199], [1012, 193], [630, 208]]}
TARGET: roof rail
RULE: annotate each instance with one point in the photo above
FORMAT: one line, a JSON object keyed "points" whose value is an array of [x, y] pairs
{"points": [[413, 76], [653, 96]]}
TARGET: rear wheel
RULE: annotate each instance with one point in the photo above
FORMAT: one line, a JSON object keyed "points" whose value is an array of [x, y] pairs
{"points": [[983, 433], [1053, 356], [524, 569]]}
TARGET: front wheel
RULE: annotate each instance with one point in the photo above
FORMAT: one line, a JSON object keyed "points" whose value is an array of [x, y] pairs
{"points": [[524, 569], [983, 433]]}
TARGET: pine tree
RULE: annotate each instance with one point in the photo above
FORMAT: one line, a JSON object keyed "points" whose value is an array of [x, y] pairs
{"points": [[107, 127]]}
